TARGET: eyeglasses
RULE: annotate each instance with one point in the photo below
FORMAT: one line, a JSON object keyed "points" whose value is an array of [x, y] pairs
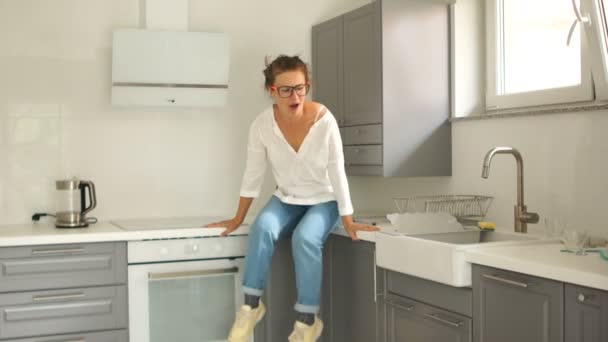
{"points": [[286, 91]]}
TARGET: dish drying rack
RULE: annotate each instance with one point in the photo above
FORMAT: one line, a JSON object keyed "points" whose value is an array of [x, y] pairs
{"points": [[468, 209]]}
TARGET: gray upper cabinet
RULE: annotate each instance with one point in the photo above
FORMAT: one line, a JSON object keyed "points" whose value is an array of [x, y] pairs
{"points": [[327, 61], [509, 306], [383, 70], [362, 66], [586, 314]]}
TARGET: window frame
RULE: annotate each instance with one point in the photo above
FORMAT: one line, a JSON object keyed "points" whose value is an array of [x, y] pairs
{"points": [[584, 92]]}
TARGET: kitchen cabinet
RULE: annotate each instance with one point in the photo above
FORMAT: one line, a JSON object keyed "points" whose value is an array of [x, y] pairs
{"points": [[410, 320], [421, 310], [279, 296], [351, 310], [64, 290], [348, 306], [509, 306], [383, 71], [586, 314]]}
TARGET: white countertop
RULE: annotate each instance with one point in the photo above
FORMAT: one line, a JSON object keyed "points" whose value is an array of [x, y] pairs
{"points": [[547, 261], [45, 233], [542, 259]]}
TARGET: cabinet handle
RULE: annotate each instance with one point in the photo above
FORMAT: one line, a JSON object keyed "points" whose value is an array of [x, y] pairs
{"points": [[171, 100], [375, 283], [188, 274], [444, 321], [58, 297], [507, 281], [394, 303], [56, 251], [583, 297]]}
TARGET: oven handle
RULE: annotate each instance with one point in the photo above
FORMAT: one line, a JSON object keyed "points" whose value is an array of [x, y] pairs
{"points": [[189, 274]]}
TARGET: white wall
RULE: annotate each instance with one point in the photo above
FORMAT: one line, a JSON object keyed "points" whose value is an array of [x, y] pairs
{"points": [[56, 121], [565, 170]]}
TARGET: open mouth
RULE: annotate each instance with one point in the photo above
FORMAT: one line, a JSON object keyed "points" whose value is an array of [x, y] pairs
{"points": [[294, 106]]}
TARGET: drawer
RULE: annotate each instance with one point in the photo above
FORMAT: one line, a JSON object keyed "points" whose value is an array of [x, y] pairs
{"points": [[65, 311], [363, 155], [456, 299], [364, 170], [103, 336], [586, 296], [61, 266], [419, 321], [361, 135]]}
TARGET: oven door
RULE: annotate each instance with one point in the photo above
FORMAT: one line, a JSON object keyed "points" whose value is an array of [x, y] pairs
{"points": [[184, 301]]}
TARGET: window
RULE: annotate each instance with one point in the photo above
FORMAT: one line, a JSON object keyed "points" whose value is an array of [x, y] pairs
{"points": [[542, 52]]}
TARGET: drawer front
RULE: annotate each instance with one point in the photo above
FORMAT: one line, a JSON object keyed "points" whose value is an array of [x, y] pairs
{"points": [[61, 266], [38, 313], [363, 155], [104, 336], [410, 320], [455, 299], [361, 135]]}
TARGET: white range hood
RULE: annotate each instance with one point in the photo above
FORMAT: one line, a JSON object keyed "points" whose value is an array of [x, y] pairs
{"points": [[161, 68]]}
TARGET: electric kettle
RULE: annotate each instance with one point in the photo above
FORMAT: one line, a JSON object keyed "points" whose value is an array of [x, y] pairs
{"points": [[72, 206]]}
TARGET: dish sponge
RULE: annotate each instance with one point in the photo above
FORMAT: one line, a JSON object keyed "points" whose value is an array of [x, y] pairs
{"points": [[486, 225]]}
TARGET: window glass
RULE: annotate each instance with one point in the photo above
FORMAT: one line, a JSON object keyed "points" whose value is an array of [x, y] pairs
{"points": [[534, 50]]}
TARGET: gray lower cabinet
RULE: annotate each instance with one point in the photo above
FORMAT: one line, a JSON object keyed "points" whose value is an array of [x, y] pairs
{"points": [[421, 310], [103, 336], [348, 304], [78, 291], [279, 297], [586, 317], [509, 306], [409, 320], [392, 105], [351, 310]]}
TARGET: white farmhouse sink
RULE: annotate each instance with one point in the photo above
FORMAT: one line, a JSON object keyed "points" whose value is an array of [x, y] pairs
{"points": [[439, 257]]}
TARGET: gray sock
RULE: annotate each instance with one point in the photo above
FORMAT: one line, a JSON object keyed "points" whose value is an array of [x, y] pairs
{"points": [[251, 300], [305, 317]]}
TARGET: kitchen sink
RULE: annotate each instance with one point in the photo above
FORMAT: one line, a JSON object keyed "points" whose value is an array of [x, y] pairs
{"points": [[440, 256]]}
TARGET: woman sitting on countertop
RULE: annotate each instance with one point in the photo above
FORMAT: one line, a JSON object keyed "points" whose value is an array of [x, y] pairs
{"points": [[302, 143]]}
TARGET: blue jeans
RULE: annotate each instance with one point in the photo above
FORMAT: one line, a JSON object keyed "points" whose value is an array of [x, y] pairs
{"points": [[309, 226]]}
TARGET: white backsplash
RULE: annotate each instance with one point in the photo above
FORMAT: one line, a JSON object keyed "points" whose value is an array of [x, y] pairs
{"points": [[56, 120]]}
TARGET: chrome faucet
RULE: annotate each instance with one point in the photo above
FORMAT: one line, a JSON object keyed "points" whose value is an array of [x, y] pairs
{"points": [[522, 217]]}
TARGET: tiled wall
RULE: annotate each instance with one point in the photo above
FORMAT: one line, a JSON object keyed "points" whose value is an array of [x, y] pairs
{"points": [[56, 120]]}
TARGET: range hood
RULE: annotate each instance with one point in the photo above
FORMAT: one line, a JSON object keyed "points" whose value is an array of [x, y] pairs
{"points": [[159, 68]]}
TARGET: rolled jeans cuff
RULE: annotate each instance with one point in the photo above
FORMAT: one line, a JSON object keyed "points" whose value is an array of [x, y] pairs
{"points": [[313, 309], [252, 292]]}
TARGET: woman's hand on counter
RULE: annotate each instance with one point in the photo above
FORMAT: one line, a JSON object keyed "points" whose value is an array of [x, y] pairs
{"points": [[230, 225], [351, 227]]}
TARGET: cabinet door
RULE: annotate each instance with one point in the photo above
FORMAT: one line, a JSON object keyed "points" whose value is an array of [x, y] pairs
{"points": [[409, 320], [508, 307], [353, 297], [280, 296], [327, 66], [586, 314], [363, 66]]}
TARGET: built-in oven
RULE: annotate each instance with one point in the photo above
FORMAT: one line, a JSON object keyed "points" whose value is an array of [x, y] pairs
{"points": [[184, 290]]}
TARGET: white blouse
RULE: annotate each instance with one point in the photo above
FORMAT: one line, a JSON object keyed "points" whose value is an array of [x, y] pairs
{"points": [[315, 174]]}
